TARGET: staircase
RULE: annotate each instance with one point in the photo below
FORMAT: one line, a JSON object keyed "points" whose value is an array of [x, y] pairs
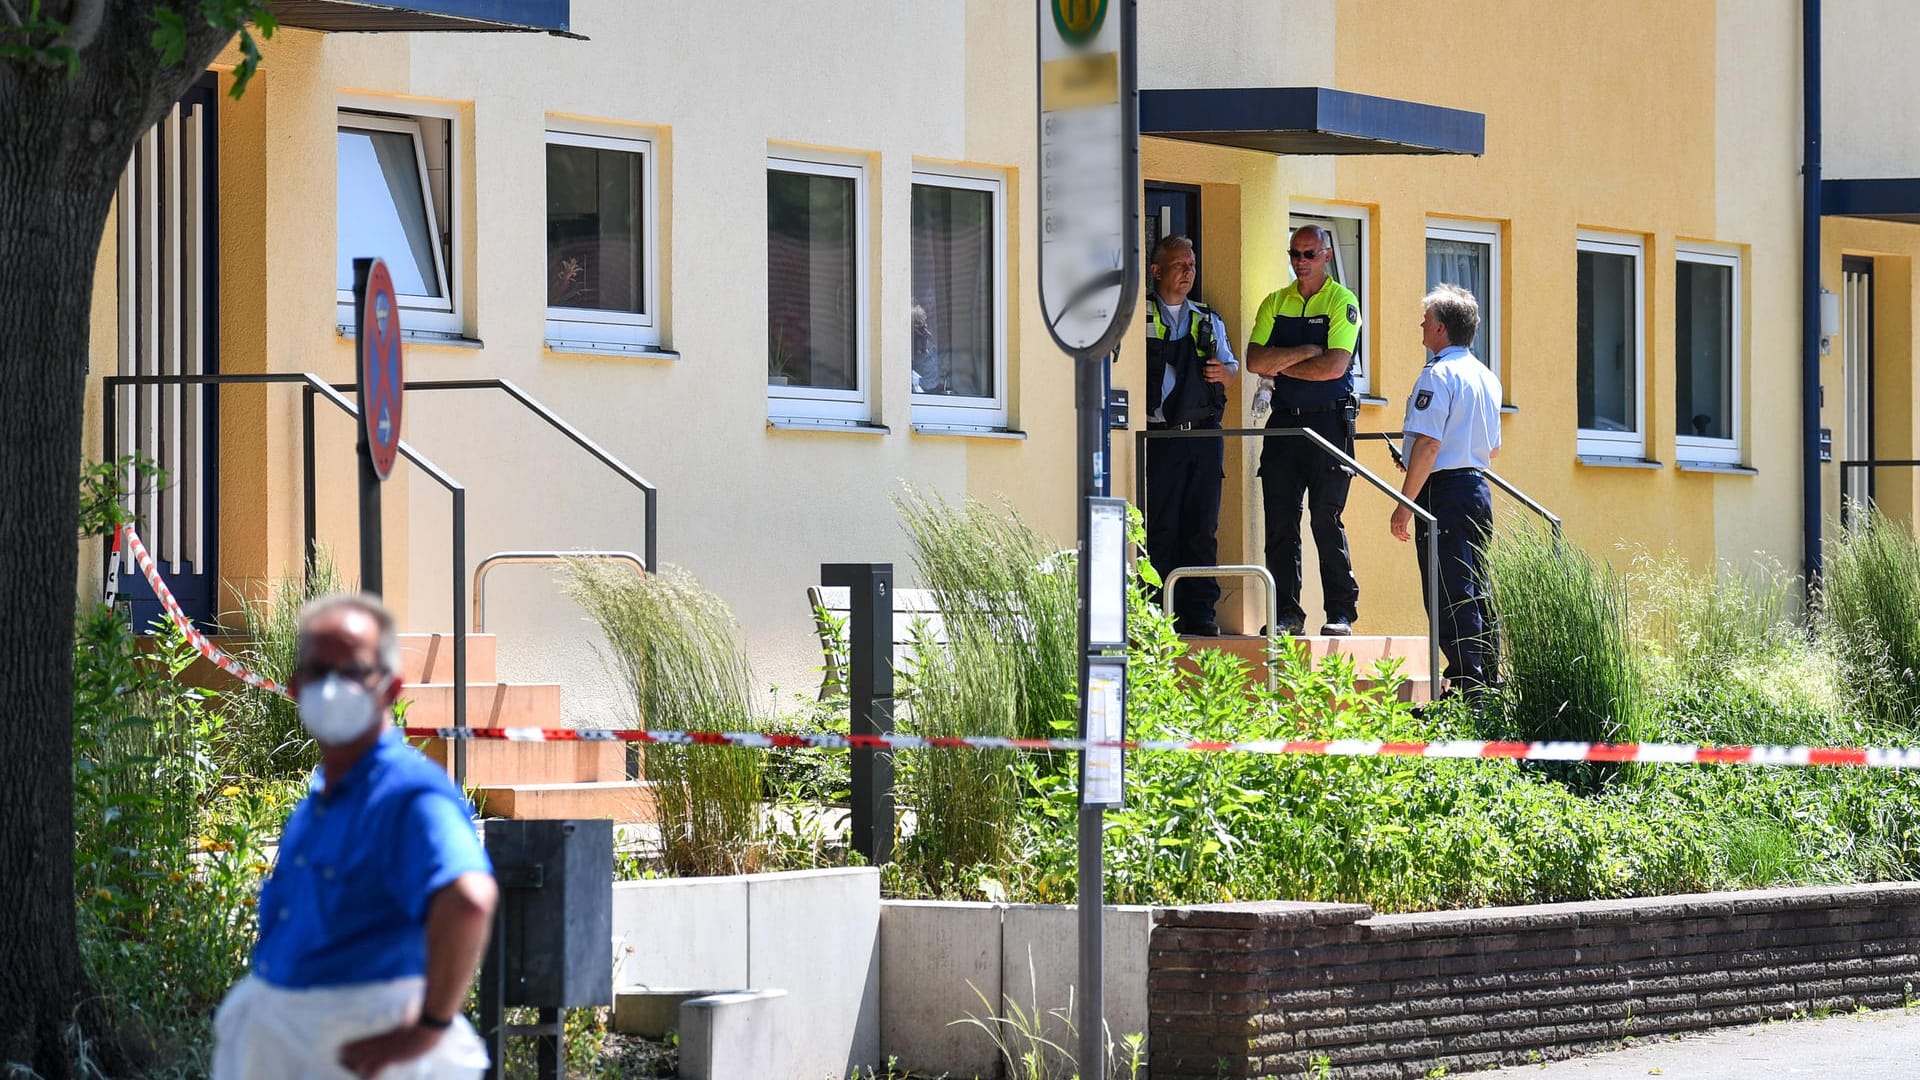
{"points": [[515, 779], [1365, 651]]}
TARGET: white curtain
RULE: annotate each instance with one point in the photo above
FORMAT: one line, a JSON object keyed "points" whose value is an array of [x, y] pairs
{"points": [[1463, 263]]}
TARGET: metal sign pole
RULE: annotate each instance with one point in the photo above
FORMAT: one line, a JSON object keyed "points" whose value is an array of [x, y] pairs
{"points": [[1089, 245]]}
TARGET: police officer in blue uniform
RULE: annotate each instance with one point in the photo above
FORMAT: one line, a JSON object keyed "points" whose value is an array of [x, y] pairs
{"points": [[1189, 368], [1304, 336], [1452, 434]]}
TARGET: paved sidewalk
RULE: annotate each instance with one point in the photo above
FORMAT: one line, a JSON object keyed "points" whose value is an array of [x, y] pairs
{"points": [[1857, 1046]]}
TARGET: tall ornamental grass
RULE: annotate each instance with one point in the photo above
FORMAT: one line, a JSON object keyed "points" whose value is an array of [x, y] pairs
{"points": [[964, 802], [676, 648], [266, 738], [1869, 614], [1705, 624], [1571, 671], [994, 577]]}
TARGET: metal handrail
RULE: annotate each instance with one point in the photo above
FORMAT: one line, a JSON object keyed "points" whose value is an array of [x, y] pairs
{"points": [[534, 558], [1393, 437], [1420, 512], [1869, 464], [1245, 570], [650, 495], [311, 385]]}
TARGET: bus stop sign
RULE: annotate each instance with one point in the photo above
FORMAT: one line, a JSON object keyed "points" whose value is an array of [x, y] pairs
{"points": [[1089, 173]]}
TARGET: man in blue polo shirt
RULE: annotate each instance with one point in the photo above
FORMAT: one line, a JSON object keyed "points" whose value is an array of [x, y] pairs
{"points": [[1452, 434], [381, 898]]}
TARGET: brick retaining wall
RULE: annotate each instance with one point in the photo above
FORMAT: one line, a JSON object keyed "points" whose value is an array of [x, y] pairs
{"points": [[1260, 990]]}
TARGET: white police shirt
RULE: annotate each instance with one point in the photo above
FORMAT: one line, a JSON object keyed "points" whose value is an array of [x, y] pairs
{"points": [[1456, 400]]}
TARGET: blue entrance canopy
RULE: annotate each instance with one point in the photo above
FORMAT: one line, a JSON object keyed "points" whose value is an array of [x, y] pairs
{"points": [[1893, 199], [1310, 120], [550, 16]]}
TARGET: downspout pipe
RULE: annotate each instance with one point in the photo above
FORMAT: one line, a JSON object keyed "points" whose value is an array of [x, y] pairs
{"points": [[1810, 507]]}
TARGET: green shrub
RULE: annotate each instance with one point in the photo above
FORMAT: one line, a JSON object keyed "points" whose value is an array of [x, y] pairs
{"points": [[676, 648], [1869, 614], [169, 847], [1570, 669]]}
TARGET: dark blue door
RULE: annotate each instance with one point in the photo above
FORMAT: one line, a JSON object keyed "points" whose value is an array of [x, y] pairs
{"points": [[167, 238]]}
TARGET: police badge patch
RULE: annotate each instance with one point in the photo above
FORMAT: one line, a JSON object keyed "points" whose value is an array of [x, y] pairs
{"points": [[1423, 399], [1353, 315]]}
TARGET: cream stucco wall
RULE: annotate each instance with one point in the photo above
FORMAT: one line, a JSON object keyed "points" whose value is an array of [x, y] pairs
{"points": [[752, 511], [1870, 115]]}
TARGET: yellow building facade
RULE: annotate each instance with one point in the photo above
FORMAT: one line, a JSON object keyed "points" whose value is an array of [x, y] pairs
{"points": [[739, 151]]}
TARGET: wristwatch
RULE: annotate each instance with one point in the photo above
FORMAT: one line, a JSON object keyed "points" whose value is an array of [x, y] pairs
{"points": [[428, 1020]]}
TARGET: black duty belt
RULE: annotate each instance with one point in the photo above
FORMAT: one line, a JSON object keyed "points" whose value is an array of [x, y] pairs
{"points": [[1314, 410], [1184, 425]]}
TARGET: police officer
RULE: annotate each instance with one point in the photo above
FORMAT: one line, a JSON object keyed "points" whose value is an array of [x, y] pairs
{"points": [[1304, 336], [1452, 435], [1189, 368]]}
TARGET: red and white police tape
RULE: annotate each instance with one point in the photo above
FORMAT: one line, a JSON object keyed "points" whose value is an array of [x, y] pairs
{"points": [[138, 551], [1663, 753]]}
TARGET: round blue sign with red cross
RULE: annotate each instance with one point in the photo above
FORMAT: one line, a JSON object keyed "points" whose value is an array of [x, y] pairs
{"points": [[381, 379]]}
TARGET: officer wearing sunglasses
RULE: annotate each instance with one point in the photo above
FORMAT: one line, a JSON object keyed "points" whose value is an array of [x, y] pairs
{"points": [[1304, 337]]}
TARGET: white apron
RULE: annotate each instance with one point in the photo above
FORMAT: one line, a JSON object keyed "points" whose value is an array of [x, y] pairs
{"points": [[263, 1031]]}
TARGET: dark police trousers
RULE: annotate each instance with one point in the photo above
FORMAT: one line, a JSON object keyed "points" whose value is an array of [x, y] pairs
{"points": [[1463, 506], [1183, 513], [1292, 466]]}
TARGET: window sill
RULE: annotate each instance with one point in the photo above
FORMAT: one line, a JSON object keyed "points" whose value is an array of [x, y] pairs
{"points": [[844, 427], [430, 338], [1509, 410], [1717, 467], [1371, 402], [968, 431], [1608, 461], [608, 348]]}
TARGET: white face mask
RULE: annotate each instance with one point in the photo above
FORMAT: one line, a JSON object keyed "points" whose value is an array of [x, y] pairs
{"points": [[336, 710]]}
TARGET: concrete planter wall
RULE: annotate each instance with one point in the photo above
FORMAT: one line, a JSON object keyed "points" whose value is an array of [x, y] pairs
{"points": [[813, 933], [868, 979], [934, 956]]}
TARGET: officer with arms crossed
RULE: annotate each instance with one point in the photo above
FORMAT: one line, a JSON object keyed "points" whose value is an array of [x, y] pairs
{"points": [[1304, 336], [1189, 368], [381, 897], [1452, 435]]}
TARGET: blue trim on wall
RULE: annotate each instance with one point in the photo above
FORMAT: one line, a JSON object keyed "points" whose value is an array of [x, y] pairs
{"points": [[1310, 120], [1896, 199], [551, 15]]}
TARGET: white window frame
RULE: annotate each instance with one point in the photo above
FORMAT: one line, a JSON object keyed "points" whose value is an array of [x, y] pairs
{"points": [[1622, 444], [849, 407], [421, 316], [987, 413], [1487, 234], [1363, 368], [594, 328], [1693, 447]]}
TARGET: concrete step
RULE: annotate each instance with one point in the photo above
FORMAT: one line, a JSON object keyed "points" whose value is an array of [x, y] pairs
{"points": [[489, 704], [1364, 650], [497, 763], [622, 801], [428, 658]]}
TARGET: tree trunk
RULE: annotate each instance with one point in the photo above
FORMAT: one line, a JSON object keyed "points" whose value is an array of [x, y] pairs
{"points": [[63, 144]]}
